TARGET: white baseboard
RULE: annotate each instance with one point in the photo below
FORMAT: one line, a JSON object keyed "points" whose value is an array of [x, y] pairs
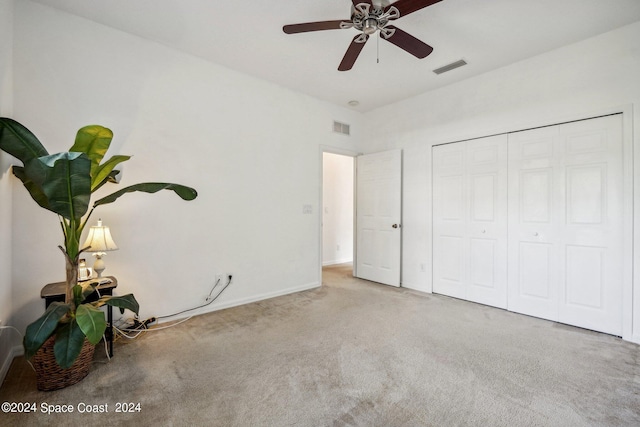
{"points": [[337, 261], [15, 351], [253, 298]]}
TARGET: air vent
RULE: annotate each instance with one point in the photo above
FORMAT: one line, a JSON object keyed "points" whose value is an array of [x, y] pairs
{"points": [[342, 128], [450, 67]]}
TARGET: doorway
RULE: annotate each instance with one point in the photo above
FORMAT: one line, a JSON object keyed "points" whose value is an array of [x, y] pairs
{"points": [[337, 209]]}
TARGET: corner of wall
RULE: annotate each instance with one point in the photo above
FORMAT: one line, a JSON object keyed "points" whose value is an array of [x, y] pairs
{"points": [[9, 344]]}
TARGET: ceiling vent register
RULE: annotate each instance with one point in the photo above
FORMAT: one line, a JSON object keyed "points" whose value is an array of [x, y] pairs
{"points": [[450, 67]]}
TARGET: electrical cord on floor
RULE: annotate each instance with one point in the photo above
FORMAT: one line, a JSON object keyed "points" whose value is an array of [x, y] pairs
{"points": [[124, 332], [203, 305]]}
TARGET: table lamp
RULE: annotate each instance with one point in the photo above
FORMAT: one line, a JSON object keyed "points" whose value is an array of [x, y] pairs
{"points": [[99, 241]]}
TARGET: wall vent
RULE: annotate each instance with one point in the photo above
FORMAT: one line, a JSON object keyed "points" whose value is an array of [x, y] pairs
{"points": [[342, 128], [450, 67]]}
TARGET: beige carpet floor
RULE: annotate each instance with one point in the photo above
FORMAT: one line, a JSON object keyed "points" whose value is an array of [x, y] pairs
{"points": [[353, 353]]}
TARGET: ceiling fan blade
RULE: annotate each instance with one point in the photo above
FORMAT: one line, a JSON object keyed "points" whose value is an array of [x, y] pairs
{"points": [[352, 54], [409, 43], [409, 6], [313, 26]]}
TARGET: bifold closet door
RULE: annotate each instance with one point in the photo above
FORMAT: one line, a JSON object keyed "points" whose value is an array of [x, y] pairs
{"points": [[566, 223], [470, 220]]}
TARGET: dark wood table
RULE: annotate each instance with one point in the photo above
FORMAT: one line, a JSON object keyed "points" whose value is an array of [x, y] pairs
{"points": [[57, 292]]}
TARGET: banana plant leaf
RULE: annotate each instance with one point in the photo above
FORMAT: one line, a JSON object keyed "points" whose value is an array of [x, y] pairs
{"points": [[18, 141], [35, 191], [91, 322], [103, 172], [87, 289], [38, 331], [65, 180], [69, 340], [186, 193], [123, 302], [112, 177], [94, 141]]}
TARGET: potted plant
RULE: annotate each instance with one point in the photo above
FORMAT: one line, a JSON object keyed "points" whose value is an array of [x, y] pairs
{"points": [[63, 183]]}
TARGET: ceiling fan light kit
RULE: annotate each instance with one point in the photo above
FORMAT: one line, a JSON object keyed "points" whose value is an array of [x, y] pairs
{"points": [[369, 17]]}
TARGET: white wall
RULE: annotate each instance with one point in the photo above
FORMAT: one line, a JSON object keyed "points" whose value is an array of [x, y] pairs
{"points": [[337, 215], [8, 339], [249, 147], [590, 77]]}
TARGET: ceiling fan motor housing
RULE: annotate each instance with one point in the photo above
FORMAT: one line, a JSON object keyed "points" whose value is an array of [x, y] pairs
{"points": [[369, 19]]}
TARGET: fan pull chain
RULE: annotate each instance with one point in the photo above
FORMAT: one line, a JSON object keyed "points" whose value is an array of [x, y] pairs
{"points": [[378, 48]]}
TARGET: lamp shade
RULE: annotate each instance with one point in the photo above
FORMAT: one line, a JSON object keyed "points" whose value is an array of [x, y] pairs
{"points": [[99, 239]]}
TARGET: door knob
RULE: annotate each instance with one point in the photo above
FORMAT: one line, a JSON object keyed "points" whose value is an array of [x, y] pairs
{"points": [[395, 225]]}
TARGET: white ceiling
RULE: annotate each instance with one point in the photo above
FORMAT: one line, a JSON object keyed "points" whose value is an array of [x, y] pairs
{"points": [[247, 36]]}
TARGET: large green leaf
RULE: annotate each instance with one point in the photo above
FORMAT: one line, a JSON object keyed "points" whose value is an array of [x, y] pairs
{"points": [[69, 340], [94, 141], [111, 178], [66, 181], [18, 141], [34, 190], [87, 289], [91, 322], [186, 193], [38, 332], [103, 172], [128, 302]]}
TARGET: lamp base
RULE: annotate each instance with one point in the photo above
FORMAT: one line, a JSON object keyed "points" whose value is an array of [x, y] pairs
{"points": [[98, 265]]}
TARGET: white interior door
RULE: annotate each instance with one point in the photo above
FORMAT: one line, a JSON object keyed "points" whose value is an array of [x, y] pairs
{"points": [[566, 223], [378, 217], [470, 220]]}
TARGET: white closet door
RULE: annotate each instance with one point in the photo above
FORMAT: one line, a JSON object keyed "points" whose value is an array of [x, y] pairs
{"points": [[470, 220], [535, 216], [487, 220], [565, 223], [450, 262], [591, 291]]}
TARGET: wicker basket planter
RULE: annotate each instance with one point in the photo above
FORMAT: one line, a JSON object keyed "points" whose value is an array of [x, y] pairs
{"points": [[50, 376]]}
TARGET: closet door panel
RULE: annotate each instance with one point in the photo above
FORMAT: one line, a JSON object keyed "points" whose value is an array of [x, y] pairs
{"points": [[487, 220], [591, 289], [449, 222], [534, 211], [469, 229], [566, 221]]}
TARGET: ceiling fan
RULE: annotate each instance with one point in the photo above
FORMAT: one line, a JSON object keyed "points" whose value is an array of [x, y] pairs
{"points": [[368, 17]]}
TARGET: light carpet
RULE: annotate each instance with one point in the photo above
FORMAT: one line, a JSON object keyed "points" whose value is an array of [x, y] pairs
{"points": [[354, 353]]}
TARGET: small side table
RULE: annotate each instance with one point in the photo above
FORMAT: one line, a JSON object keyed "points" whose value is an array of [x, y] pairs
{"points": [[57, 292]]}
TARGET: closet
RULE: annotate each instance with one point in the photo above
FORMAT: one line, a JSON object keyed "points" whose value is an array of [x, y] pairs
{"points": [[532, 221]]}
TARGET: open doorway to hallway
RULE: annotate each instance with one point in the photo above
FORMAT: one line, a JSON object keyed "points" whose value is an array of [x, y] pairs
{"points": [[337, 209]]}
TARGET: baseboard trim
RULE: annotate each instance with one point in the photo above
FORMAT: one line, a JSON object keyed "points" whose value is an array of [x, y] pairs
{"points": [[338, 261], [15, 351], [251, 299]]}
